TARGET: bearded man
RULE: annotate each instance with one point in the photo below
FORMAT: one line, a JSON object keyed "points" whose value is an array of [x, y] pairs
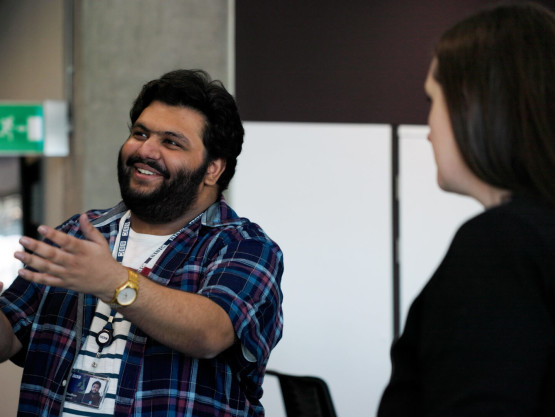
{"points": [[170, 297]]}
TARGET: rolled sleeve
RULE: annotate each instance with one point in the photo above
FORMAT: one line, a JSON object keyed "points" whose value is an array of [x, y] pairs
{"points": [[244, 279]]}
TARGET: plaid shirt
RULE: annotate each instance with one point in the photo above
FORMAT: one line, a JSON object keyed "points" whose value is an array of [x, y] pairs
{"points": [[223, 257]]}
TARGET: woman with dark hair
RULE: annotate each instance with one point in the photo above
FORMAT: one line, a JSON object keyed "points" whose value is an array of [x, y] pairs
{"points": [[480, 338]]}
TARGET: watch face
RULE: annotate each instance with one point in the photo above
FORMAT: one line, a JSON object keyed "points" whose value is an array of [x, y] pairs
{"points": [[127, 296]]}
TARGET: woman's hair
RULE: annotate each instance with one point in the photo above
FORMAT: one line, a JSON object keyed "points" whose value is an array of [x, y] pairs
{"points": [[497, 72], [223, 132]]}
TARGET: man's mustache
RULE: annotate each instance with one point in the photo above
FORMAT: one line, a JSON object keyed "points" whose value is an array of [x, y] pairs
{"points": [[132, 160]]}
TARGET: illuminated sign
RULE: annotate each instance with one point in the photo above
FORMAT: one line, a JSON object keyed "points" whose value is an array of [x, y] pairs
{"points": [[34, 128]]}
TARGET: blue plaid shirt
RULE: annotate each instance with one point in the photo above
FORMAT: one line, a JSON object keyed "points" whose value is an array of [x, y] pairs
{"points": [[223, 257]]}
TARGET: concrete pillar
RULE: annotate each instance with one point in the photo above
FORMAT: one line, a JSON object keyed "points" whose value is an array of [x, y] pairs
{"points": [[120, 45]]}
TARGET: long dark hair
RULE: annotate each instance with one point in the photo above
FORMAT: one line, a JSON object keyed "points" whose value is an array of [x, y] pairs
{"points": [[497, 72], [223, 133]]}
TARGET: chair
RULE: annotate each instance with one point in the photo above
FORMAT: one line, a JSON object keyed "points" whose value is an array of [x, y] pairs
{"points": [[305, 396]]}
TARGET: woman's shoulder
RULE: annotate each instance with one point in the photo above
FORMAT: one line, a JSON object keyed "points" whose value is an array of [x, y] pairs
{"points": [[518, 221], [506, 244], [504, 251]]}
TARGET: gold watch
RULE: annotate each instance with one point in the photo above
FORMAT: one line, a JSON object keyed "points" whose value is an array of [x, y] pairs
{"points": [[127, 293]]}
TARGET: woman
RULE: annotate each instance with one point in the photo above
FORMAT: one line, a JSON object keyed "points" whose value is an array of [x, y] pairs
{"points": [[480, 338]]}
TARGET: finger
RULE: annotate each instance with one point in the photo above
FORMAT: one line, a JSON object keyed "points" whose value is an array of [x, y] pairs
{"points": [[41, 249], [40, 264], [40, 278], [89, 231], [66, 242]]}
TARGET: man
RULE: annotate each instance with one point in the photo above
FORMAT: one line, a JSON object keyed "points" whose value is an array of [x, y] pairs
{"points": [[169, 296], [93, 397]]}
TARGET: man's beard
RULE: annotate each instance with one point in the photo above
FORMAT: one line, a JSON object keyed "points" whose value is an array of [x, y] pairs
{"points": [[166, 203]]}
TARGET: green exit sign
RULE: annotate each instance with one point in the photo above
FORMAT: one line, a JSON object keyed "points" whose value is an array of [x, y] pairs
{"points": [[21, 128], [34, 128]]}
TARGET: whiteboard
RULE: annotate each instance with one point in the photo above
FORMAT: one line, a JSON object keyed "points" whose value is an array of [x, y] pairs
{"points": [[323, 193]]}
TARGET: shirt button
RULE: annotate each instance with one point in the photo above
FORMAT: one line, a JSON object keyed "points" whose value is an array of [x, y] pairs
{"points": [[64, 382]]}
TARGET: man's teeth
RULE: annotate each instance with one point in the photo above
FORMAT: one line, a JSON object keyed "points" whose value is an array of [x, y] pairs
{"points": [[144, 171]]}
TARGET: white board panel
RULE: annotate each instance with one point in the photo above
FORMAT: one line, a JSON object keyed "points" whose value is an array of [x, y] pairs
{"points": [[429, 217], [323, 192], [8, 264]]}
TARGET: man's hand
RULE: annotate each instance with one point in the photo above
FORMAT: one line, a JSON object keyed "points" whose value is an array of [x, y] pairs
{"points": [[79, 265]]}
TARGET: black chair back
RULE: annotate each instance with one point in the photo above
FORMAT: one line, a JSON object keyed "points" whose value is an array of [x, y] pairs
{"points": [[305, 396]]}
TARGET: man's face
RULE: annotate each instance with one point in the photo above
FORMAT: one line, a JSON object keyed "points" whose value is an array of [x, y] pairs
{"points": [[95, 388], [162, 165]]}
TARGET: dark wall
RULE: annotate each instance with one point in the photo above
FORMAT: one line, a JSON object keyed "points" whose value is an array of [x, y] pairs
{"points": [[356, 61]]}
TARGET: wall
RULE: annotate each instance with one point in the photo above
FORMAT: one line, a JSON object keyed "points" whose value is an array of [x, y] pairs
{"points": [[31, 46], [344, 62], [31, 40]]}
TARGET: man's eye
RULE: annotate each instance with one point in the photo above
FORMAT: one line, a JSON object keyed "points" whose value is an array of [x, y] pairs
{"points": [[171, 142], [139, 135]]}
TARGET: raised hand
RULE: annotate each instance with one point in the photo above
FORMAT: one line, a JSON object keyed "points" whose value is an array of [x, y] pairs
{"points": [[82, 265]]}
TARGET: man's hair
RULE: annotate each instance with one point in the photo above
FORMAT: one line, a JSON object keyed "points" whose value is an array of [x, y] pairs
{"points": [[96, 383], [223, 133], [497, 72]]}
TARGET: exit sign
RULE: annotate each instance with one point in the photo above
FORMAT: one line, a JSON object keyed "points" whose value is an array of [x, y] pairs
{"points": [[21, 128], [34, 128]]}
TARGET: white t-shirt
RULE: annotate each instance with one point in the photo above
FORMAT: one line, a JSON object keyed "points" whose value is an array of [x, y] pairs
{"points": [[105, 369]]}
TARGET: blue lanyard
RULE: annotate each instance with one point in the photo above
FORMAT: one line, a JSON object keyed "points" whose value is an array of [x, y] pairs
{"points": [[124, 239]]}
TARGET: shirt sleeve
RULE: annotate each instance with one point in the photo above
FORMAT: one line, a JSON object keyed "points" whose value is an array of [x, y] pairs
{"points": [[19, 303], [244, 279]]}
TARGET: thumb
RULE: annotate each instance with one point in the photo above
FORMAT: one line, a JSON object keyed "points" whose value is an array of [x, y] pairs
{"points": [[89, 231]]}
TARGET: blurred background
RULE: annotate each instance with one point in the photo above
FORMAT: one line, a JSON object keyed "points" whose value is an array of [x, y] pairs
{"points": [[335, 167]]}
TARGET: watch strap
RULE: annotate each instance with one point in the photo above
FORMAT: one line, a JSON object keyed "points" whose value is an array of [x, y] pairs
{"points": [[132, 281]]}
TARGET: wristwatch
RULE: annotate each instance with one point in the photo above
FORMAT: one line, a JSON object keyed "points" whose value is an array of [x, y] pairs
{"points": [[127, 293]]}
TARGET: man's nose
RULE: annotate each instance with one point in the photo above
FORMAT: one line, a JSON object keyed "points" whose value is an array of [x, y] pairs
{"points": [[150, 148]]}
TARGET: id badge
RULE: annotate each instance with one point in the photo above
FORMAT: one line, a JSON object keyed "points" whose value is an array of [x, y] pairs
{"points": [[86, 389]]}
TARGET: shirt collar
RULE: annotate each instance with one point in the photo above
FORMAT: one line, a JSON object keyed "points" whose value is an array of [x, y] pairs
{"points": [[219, 214]]}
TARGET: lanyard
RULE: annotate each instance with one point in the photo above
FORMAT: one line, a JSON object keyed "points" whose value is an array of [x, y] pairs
{"points": [[105, 337], [124, 239]]}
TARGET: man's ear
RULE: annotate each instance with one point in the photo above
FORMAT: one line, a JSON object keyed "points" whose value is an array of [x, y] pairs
{"points": [[214, 171]]}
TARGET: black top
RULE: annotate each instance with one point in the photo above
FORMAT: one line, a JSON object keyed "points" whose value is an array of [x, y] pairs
{"points": [[92, 398], [480, 339]]}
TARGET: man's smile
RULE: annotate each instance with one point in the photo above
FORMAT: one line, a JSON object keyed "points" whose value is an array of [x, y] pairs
{"points": [[147, 168], [144, 171]]}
